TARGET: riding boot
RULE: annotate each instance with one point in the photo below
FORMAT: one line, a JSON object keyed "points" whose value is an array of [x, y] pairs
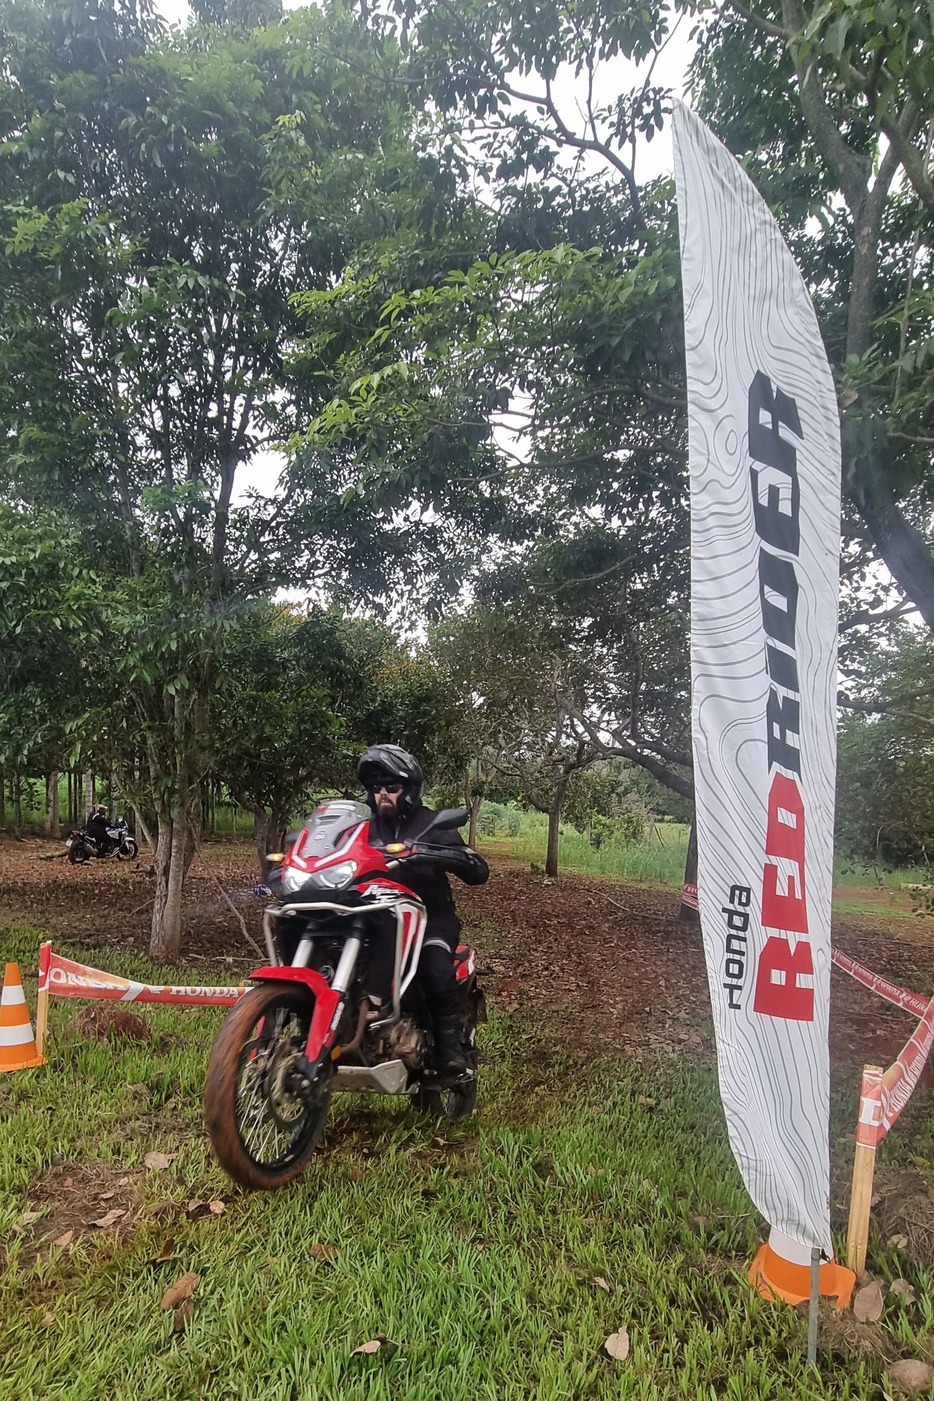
{"points": [[449, 1048]]}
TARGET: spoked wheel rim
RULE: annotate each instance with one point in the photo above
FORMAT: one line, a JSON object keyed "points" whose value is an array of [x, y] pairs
{"points": [[276, 1120]]}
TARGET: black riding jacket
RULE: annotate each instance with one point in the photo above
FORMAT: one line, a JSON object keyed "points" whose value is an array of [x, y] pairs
{"points": [[430, 882]]}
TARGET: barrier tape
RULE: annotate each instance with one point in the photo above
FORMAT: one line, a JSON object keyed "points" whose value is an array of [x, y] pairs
{"points": [[883, 1097], [62, 977], [901, 997]]}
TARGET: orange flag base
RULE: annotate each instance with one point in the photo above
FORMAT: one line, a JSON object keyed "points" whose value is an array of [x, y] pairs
{"points": [[778, 1278], [18, 1050]]}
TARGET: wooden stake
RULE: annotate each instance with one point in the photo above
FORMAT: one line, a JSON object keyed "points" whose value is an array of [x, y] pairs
{"points": [[42, 1001], [868, 1133]]}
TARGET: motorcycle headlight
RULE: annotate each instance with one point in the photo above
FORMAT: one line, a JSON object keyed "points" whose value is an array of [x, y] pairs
{"points": [[333, 877], [292, 879]]}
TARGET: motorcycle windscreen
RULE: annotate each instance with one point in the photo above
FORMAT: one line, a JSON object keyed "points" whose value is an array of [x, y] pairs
{"points": [[328, 825]]}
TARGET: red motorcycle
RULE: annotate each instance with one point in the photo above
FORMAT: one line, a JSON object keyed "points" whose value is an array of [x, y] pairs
{"points": [[338, 1007]]}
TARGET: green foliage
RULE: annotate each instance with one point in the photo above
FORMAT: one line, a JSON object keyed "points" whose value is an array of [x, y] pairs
{"points": [[51, 626], [299, 696], [885, 776], [830, 108]]}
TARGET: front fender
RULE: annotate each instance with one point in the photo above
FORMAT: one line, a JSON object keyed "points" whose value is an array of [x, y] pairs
{"points": [[328, 1003]]}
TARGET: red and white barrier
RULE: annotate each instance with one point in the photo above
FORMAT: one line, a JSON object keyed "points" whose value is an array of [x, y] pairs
{"points": [[901, 997], [882, 1097], [63, 977]]}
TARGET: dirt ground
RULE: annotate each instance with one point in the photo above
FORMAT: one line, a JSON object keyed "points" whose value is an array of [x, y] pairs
{"points": [[595, 965]]}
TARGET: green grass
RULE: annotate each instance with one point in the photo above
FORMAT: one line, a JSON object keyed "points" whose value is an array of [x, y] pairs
{"points": [[477, 1251], [656, 860], [659, 860]]}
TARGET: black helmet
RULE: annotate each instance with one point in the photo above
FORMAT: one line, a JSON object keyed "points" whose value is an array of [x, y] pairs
{"points": [[387, 763]]}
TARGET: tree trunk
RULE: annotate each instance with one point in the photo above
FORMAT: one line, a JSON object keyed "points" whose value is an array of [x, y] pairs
{"points": [[904, 549], [554, 820], [212, 810], [690, 914], [2, 799], [174, 850], [80, 810], [89, 789], [139, 821], [51, 804], [18, 805], [260, 835], [474, 809]]}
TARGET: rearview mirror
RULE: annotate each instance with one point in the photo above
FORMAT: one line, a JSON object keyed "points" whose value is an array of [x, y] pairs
{"points": [[447, 818]]}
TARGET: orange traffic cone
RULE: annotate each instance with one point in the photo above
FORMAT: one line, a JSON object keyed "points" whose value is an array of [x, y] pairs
{"points": [[18, 1048]]}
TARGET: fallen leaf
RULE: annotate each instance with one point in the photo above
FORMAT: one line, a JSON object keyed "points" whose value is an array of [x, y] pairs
{"points": [[196, 1208], [600, 1282], [324, 1252], [110, 1219], [48, 1318], [617, 1345], [367, 1349], [168, 1253], [181, 1290], [867, 1306], [217, 1208], [901, 1286], [69, 1182], [64, 1240], [921, 1162], [898, 1242], [911, 1375], [158, 1160], [647, 1102], [107, 1196], [183, 1316], [28, 1217], [123, 1182]]}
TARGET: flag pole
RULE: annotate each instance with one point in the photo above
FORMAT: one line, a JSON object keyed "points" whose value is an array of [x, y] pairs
{"points": [[813, 1305]]}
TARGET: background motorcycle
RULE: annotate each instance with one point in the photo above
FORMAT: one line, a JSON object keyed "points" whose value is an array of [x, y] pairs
{"points": [[82, 846], [338, 1008]]}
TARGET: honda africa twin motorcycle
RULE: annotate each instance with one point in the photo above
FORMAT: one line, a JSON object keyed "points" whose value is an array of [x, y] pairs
{"points": [[81, 845], [337, 1009]]}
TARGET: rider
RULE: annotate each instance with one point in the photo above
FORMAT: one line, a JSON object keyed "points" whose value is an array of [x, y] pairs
{"points": [[393, 782], [96, 827]]}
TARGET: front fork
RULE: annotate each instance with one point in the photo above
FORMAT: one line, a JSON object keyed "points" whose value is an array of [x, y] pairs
{"points": [[329, 997]]}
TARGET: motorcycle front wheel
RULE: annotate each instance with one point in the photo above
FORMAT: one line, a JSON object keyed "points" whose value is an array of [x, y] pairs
{"points": [[127, 850], [262, 1120]]}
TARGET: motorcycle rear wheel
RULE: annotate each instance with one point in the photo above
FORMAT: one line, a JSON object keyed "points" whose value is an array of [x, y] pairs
{"points": [[262, 1128], [127, 850], [78, 854]]}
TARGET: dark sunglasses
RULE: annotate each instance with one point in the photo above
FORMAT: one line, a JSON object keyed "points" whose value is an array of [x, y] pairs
{"points": [[390, 788]]}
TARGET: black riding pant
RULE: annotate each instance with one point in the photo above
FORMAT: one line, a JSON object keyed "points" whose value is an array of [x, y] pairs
{"points": [[435, 975]]}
